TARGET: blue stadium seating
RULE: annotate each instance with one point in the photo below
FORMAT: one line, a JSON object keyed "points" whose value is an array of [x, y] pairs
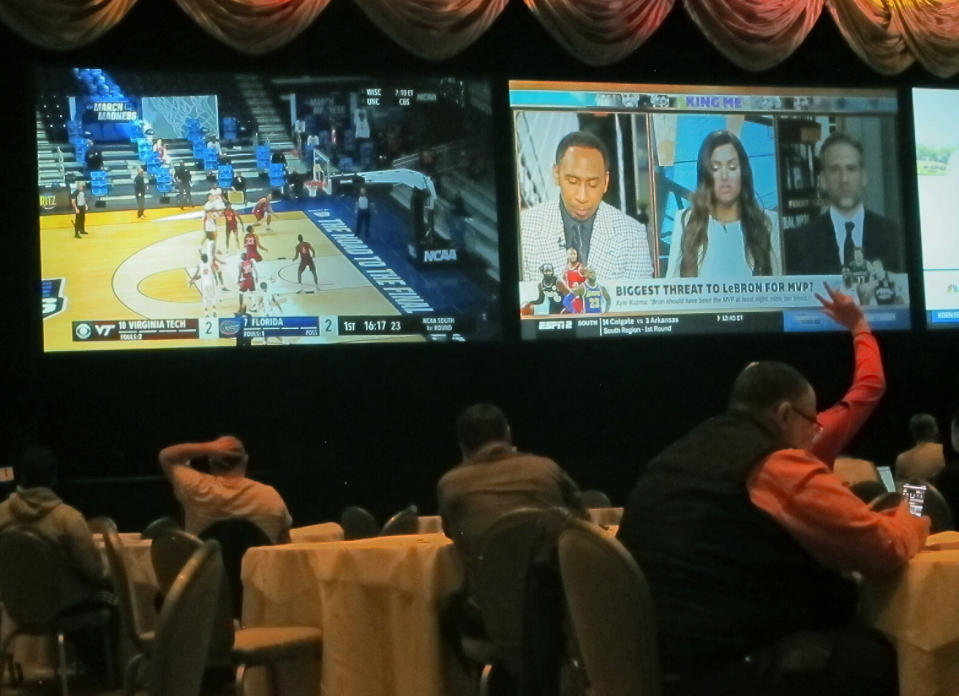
{"points": [[225, 175], [99, 183], [277, 175], [164, 180], [263, 157]]}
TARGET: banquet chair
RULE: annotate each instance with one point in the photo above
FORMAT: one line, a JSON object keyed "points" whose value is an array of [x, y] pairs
{"points": [[518, 593], [141, 640], [185, 624], [242, 647], [236, 535], [867, 491], [358, 523], [30, 572], [158, 526], [611, 610], [594, 499], [406, 521]]}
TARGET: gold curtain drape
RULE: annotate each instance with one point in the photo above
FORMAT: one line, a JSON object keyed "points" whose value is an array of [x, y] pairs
{"points": [[62, 25], [889, 35], [755, 34], [433, 29], [600, 32], [254, 26]]}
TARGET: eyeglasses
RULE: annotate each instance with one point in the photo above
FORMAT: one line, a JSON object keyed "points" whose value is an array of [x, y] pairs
{"points": [[813, 421]]}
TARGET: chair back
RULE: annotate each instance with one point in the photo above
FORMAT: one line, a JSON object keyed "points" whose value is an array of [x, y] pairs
{"points": [[29, 578], [611, 609], [185, 624], [358, 523], [169, 552], [513, 546], [236, 535], [406, 521], [122, 587], [595, 499], [158, 526], [936, 506], [868, 491]]}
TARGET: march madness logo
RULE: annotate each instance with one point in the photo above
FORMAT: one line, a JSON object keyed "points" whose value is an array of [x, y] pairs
{"points": [[52, 300]]}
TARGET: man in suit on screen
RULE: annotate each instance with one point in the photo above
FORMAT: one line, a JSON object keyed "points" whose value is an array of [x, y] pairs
{"points": [[827, 243], [604, 237]]}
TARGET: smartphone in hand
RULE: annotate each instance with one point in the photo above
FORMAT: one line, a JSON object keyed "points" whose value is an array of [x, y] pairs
{"points": [[916, 495]]}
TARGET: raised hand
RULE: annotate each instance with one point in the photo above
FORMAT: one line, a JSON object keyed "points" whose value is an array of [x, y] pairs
{"points": [[841, 308]]}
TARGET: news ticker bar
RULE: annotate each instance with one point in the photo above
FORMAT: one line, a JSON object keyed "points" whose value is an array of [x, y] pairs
{"points": [[686, 102], [788, 321], [263, 327]]}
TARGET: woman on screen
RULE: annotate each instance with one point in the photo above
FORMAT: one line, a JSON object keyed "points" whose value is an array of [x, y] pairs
{"points": [[725, 233]]}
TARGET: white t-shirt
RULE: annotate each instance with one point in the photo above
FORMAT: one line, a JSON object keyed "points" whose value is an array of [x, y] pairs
{"points": [[207, 499]]}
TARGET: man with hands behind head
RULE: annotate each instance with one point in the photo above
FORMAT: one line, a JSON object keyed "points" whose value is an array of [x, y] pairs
{"points": [[745, 534], [226, 491]]}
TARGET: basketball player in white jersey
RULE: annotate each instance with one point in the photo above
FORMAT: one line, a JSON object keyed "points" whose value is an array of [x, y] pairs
{"points": [[204, 279]]}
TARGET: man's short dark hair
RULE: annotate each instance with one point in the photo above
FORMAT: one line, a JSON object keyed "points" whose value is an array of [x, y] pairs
{"points": [[38, 467], [840, 138], [581, 139], [481, 424], [764, 384], [924, 428]]}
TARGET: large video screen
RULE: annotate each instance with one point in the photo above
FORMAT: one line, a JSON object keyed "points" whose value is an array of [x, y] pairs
{"points": [[662, 209], [190, 210], [937, 166]]}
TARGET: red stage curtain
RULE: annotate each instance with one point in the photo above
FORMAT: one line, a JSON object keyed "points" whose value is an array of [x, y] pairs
{"points": [[891, 34], [433, 29], [61, 25], [600, 32], [755, 34], [254, 26]]}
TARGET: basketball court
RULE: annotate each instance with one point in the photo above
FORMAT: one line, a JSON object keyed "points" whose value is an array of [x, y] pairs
{"points": [[129, 269]]}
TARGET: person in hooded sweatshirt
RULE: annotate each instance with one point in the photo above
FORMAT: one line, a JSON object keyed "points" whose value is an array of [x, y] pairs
{"points": [[36, 507]]}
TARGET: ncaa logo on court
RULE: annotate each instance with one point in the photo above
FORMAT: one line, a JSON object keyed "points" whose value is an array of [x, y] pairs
{"points": [[82, 331], [52, 300]]}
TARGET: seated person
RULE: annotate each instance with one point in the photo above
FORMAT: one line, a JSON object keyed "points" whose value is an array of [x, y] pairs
{"points": [[35, 507], [744, 534], [926, 459], [494, 479], [226, 491]]}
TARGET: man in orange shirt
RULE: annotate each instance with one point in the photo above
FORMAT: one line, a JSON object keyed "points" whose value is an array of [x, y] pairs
{"points": [[744, 534]]}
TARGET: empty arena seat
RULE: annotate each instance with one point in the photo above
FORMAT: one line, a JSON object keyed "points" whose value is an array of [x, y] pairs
{"points": [[277, 175], [99, 182], [164, 180], [262, 157], [225, 175]]}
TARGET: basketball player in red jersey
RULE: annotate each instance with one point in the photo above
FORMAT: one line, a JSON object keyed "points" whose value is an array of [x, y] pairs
{"points": [[252, 244], [263, 208], [246, 278], [574, 277], [233, 221], [306, 254]]}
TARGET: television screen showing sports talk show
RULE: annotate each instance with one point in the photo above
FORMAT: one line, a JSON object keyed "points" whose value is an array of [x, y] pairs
{"points": [[184, 210], [937, 167], [661, 209]]}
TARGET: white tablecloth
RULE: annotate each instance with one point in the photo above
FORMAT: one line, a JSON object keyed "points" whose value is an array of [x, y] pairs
{"points": [[918, 608], [377, 602]]}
